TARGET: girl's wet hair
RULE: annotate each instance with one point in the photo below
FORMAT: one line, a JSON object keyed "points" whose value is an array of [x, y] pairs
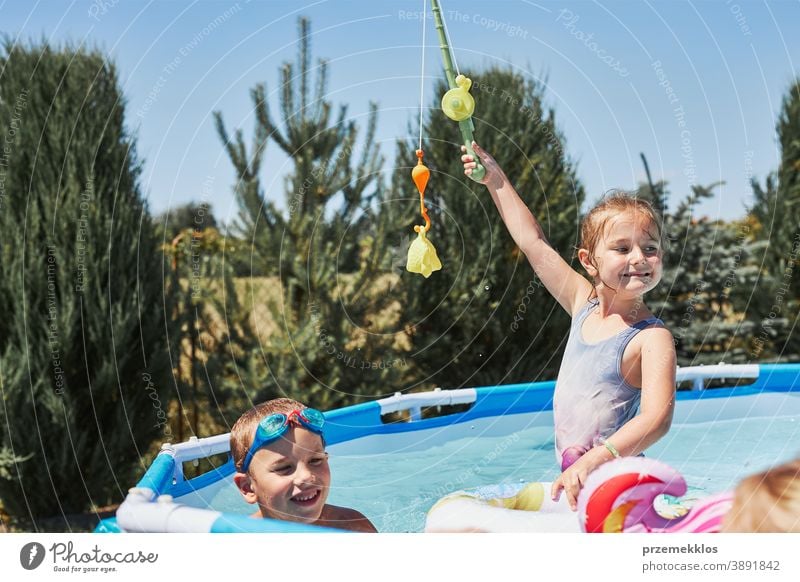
{"points": [[613, 205]]}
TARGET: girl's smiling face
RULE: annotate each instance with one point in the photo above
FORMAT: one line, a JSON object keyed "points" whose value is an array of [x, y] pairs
{"points": [[628, 259], [289, 478]]}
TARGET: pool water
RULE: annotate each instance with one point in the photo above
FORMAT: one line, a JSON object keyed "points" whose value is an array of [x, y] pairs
{"points": [[395, 491]]}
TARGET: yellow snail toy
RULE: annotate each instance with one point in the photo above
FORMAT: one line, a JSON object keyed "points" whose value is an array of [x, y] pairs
{"points": [[457, 103]]}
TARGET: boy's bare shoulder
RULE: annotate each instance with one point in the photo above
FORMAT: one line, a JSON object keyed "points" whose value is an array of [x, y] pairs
{"points": [[345, 518]]}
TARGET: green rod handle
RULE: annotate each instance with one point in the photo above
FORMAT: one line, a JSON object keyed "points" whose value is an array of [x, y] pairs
{"points": [[465, 126]]}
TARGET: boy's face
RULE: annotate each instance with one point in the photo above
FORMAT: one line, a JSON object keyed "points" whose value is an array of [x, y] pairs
{"points": [[289, 478]]}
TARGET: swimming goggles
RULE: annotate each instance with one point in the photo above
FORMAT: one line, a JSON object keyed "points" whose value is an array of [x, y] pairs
{"points": [[272, 427]]}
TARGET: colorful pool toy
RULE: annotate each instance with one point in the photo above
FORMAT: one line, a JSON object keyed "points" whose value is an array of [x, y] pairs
{"points": [[422, 256], [503, 508], [620, 497]]}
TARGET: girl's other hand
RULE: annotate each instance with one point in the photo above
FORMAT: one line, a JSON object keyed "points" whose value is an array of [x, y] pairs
{"points": [[494, 173]]}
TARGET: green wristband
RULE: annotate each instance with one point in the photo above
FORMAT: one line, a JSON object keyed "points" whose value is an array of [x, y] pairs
{"points": [[611, 449]]}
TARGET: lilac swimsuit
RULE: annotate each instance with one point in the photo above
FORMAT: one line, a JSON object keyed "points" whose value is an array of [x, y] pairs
{"points": [[591, 400]]}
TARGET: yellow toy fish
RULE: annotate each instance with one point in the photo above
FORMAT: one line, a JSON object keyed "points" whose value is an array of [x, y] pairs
{"points": [[422, 257]]}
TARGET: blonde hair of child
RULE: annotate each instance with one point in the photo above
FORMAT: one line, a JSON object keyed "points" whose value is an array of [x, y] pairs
{"points": [[767, 502], [243, 430]]}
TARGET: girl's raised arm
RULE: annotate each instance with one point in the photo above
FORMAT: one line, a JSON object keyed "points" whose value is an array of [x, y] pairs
{"points": [[570, 289]]}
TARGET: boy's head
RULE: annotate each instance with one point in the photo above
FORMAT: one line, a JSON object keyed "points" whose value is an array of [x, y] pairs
{"points": [[280, 458], [622, 243], [767, 502]]}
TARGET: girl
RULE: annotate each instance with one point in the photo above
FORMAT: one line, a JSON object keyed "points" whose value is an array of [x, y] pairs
{"points": [[619, 357]]}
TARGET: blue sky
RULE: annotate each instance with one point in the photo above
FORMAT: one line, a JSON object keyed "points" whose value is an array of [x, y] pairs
{"points": [[697, 86]]}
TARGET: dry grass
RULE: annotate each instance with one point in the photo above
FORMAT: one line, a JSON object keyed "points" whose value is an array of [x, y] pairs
{"points": [[255, 294]]}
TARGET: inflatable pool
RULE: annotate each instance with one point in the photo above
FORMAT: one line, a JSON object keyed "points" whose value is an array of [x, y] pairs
{"points": [[479, 421], [502, 508]]}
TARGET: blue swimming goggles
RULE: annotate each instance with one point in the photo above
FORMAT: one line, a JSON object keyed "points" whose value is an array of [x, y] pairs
{"points": [[272, 427]]}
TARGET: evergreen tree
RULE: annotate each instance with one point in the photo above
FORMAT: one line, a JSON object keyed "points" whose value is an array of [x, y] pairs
{"points": [[776, 216], [777, 203], [213, 339], [205, 344], [708, 273], [485, 318], [82, 359], [192, 215], [329, 345]]}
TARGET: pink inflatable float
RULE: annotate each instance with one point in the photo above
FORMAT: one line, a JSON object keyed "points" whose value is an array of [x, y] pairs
{"points": [[619, 497]]}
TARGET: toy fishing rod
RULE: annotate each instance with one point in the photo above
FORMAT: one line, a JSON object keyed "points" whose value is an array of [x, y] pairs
{"points": [[457, 103]]}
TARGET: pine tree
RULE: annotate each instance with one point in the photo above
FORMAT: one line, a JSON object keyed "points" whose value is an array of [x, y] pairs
{"points": [[708, 272], [485, 318], [776, 216], [777, 204], [204, 343], [192, 215], [200, 282], [329, 344], [82, 361]]}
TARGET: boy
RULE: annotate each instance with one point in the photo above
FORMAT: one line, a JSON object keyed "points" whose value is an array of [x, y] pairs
{"points": [[279, 454], [767, 502]]}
